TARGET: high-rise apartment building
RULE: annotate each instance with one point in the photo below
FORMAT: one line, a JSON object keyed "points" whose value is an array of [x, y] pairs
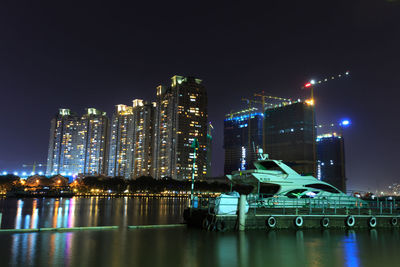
{"points": [[143, 138], [331, 164], [78, 145], [242, 139], [289, 133], [92, 142], [182, 117], [157, 133], [62, 150], [120, 158]]}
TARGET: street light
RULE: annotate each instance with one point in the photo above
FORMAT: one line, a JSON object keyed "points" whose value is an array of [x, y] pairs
{"points": [[344, 123]]}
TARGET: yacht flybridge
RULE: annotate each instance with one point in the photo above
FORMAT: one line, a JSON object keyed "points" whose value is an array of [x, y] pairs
{"points": [[276, 179]]}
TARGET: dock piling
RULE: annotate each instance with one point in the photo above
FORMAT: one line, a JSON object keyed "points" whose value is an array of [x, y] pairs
{"points": [[242, 212]]}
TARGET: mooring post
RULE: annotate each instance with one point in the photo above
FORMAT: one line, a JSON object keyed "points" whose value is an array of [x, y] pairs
{"points": [[242, 212], [284, 210], [334, 203]]}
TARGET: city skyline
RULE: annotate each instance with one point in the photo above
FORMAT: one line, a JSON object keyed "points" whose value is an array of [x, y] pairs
{"points": [[65, 57], [145, 139]]}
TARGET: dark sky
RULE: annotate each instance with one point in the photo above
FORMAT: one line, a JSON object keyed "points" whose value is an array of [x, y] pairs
{"points": [[74, 55]]}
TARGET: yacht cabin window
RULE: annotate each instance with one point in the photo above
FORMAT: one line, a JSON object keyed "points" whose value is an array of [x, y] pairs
{"points": [[324, 187]]}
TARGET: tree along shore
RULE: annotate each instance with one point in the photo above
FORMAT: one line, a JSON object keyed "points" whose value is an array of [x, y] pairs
{"points": [[118, 185]]}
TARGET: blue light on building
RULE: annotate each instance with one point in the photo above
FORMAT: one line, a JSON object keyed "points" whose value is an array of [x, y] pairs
{"points": [[237, 128]]}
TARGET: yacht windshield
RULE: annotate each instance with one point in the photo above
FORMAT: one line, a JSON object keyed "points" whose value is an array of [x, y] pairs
{"points": [[269, 166], [295, 193]]}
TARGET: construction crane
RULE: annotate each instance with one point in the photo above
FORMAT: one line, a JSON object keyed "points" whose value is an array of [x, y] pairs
{"points": [[34, 165], [310, 85], [249, 102], [263, 103], [313, 82]]}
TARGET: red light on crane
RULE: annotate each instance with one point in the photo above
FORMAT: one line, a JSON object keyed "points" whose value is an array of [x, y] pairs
{"points": [[307, 85]]}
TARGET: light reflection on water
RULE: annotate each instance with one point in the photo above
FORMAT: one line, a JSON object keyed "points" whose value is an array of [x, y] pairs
{"points": [[190, 247], [351, 249], [173, 247], [95, 211]]}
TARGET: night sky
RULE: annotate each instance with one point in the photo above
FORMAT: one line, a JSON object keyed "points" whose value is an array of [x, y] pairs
{"points": [[61, 54]]}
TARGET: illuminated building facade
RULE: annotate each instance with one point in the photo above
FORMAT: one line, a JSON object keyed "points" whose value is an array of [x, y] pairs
{"points": [[92, 143], [181, 117], [209, 148], [239, 155], [159, 129], [120, 158], [78, 145], [331, 163], [143, 138], [289, 135], [62, 149]]}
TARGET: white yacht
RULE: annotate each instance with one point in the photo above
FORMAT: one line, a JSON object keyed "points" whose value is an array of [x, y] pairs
{"points": [[282, 186]]}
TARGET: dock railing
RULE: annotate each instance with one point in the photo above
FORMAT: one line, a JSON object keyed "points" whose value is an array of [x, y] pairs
{"points": [[334, 205]]}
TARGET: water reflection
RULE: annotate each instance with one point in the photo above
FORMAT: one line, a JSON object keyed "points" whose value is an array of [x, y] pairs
{"points": [[18, 218], [351, 249], [96, 211], [173, 247], [188, 247]]}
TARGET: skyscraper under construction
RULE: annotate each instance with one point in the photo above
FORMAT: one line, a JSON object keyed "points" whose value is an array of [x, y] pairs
{"points": [[242, 139], [289, 133], [331, 163]]}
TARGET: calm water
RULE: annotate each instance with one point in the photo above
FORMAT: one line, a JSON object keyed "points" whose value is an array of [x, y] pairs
{"points": [[173, 247], [95, 211]]}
